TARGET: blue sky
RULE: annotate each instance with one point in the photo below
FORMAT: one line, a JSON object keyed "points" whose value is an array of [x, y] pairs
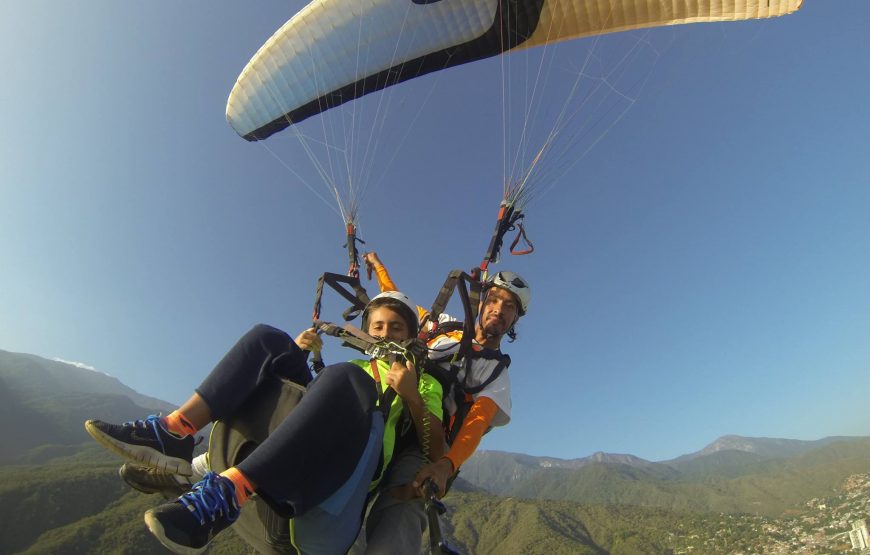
{"points": [[702, 270]]}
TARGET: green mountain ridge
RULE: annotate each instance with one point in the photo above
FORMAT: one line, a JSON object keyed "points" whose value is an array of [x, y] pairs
{"points": [[45, 402], [746, 483], [761, 447], [31, 376], [63, 494], [77, 504]]}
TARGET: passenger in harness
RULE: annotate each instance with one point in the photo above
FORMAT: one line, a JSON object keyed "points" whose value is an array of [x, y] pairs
{"points": [[476, 398], [322, 459]]}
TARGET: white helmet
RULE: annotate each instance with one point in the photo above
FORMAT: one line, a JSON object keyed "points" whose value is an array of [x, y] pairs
{"points": [[402, 299], [515, 284]]}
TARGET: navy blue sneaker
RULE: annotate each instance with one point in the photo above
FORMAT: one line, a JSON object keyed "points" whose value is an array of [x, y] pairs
{"points": [[194, 519], [147, 442]]}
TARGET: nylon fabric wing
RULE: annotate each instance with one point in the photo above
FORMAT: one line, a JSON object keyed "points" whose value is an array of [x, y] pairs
{"points": [[334, 51]]}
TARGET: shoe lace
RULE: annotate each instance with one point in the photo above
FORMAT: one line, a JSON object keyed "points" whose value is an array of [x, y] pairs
{"points": [[152, 422], [210, 497]]}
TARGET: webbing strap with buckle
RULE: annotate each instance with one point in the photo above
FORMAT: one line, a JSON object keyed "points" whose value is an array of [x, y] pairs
{"points": [[463, 394], [358, 298], [469, 294], [350, 335], [352, 252]]}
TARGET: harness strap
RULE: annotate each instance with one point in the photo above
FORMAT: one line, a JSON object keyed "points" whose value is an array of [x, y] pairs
{"points": [[358, 298], [503, 362], [449, 376], [352, 253], [469, 294], [443, 328], [351, 336], [463, 394], [463, 405]]}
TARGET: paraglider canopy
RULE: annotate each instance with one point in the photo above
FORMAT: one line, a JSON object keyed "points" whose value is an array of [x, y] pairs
{"points": [[334, 51]]}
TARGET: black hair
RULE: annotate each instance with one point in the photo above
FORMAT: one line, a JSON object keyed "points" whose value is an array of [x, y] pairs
{"points": [[399, 308]]}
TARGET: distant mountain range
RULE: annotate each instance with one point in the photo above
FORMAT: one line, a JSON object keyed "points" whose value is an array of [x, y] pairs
{"points": [[733, 474], [44, 403], [59, 493], [750, 448]]}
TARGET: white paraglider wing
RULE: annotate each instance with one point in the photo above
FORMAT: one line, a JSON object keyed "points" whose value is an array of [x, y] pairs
{"points": [[334, 51]]}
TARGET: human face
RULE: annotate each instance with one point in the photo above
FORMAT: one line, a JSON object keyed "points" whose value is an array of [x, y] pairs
{"points": [[499, 311], [385, 323]]}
